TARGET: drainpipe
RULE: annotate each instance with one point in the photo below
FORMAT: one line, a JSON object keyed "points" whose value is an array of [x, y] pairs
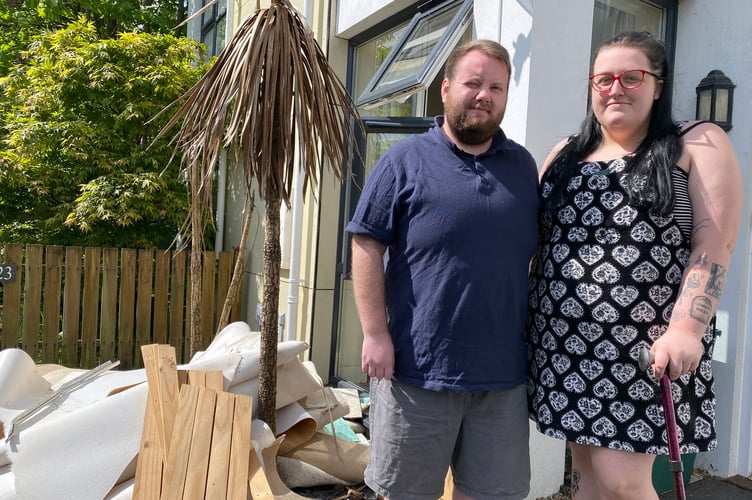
{"points": [[291, 320], [219, 238]]}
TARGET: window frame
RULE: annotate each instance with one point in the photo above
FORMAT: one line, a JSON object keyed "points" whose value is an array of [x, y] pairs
{"points": [[375, 94], [209, 26]]}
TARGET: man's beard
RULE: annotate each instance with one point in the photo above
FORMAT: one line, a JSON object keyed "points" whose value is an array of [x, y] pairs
{"points": [[470, 131]]}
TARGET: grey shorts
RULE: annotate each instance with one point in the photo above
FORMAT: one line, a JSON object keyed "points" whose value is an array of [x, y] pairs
{"points": [[416, 434]]}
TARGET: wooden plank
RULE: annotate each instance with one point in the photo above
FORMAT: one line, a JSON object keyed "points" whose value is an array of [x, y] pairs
{"points": [[176, 465], [211, 379], [127, 299], [259, 484], [201, 445], [214, 380], [147, 485], [144, 296], [71, 306], [53, 264], [176, 336], [161, 287], [164, 390], [32, 300], [219, 459], [240, 449], [207, 298], [108, 306], [196, 377], [90, 312], [11, 320]]}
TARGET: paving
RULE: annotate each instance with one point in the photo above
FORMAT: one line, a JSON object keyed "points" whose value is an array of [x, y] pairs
{"points": [[713, 488], [700, 488]]}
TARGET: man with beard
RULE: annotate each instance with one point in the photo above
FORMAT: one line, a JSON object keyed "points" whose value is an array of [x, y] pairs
{"points": [[454, 212]]}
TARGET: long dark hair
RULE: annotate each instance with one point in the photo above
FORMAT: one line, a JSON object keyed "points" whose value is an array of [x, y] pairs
{"points": [[648, 171]]}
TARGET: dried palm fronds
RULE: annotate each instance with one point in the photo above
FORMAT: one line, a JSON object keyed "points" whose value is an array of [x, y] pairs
{"points": [[270, 97]]}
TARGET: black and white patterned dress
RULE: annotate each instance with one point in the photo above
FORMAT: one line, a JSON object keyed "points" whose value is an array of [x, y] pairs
{"points": [[602, 286]]}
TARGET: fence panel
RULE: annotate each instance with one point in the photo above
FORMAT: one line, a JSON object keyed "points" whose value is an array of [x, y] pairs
{"points": [[32, 299], [82, 306], [11, 297], [53, 283], [109, 304], [71, 306]]}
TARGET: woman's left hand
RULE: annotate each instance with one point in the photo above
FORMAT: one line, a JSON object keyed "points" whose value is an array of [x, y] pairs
{"points": [[679, 350]]}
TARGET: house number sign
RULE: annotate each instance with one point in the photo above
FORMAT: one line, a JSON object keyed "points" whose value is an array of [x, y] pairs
{"points": [[7, 273]]}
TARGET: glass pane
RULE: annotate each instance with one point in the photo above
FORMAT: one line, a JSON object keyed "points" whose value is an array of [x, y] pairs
{"points": [[350, 336], [721, 105], [703, 113], [368, 58], [611, 17], [376, 146], [418, 47], [370, 55]]}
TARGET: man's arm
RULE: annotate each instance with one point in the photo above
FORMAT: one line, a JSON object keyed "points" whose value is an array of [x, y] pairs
{"points": [[377, 358]]}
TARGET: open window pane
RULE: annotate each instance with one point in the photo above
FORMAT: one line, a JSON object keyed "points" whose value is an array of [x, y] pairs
{"points": [[419, 55]]}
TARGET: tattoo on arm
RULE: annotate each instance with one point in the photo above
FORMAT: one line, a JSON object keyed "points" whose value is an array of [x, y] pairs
{"points": [[702, 260], [575, 482], [678, 314], [693, 280], [716, 281], [700, 309], [700, 225]]}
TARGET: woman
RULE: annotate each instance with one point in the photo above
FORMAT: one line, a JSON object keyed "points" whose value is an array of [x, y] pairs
{"points": [[638, 221]]}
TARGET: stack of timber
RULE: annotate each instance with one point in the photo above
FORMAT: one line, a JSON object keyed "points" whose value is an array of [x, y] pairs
{"points": [[196, 441]]}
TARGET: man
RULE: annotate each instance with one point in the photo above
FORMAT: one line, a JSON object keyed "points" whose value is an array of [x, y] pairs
{"points": [[456, 209]]}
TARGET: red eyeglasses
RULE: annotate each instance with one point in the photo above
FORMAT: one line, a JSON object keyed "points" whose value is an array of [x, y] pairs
{"points": [[631, 79]]}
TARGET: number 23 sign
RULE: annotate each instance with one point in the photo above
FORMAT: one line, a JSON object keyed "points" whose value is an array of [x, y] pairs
{"points": [[7, 273]]}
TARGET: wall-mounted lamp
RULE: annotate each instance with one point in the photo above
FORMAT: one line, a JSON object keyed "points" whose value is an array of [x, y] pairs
{"points": [[715, 99]]}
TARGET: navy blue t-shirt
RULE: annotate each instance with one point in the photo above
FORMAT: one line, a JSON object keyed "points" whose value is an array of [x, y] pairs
{"points": [[460, 231]]}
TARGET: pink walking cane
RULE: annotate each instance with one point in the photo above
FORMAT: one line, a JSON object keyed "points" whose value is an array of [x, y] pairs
{"points": [[674, 456]]}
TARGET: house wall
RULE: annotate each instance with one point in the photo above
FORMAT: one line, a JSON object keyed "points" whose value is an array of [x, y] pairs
{"points": [[542, 110], [550, 60], [317, 227], [716, 35]]}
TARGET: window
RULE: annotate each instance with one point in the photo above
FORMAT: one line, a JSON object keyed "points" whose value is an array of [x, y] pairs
{"points": [[611, 17], [396, 72], [214, 26], [416, 59]]}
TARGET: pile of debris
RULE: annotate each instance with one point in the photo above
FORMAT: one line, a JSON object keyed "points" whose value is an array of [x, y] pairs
{"points": [[170, 431]]}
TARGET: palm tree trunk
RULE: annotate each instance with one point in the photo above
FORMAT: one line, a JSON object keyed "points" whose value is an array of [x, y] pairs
{"points": [[269, 312]]}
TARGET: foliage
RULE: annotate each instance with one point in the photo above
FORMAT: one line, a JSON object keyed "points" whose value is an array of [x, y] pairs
{"points": [[78, 165]]}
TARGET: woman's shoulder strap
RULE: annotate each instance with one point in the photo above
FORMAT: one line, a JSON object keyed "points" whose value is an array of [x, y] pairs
{"points": [[685, 130]]}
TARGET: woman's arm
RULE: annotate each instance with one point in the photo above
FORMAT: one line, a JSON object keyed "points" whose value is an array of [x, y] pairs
{"points": [[715, 189]]}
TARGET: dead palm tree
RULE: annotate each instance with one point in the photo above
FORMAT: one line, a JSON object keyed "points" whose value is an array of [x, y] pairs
{"points": [[270, 97]]}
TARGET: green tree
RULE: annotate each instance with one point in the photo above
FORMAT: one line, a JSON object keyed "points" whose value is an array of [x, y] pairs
{"points": [[21, 20], [79, 165]]}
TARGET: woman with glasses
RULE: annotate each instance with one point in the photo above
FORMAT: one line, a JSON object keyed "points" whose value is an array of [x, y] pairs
{"points": [[639, 216]]}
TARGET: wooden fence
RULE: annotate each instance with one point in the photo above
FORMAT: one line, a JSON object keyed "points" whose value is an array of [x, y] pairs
{"points": [[82, 306]]}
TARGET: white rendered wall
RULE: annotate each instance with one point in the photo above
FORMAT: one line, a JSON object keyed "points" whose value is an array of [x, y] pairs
{"points": [[716, 35]]}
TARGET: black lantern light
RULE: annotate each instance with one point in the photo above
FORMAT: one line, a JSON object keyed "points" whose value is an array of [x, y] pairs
{"points": [[715, 99]]}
